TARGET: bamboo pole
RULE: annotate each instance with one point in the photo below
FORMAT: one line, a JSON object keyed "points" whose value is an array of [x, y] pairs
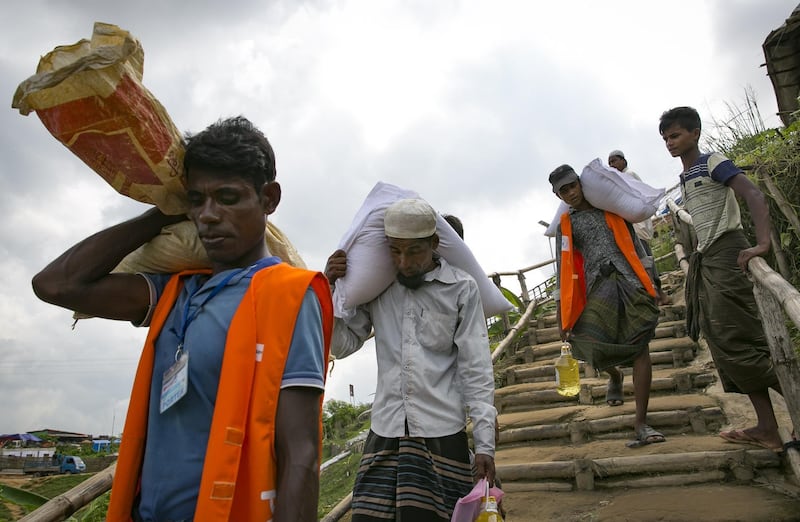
{"points": [[773, 295], [526, 269], [780, 200], [521, 325], [339, 510], [64, 505], [780, 255], [785, 293]]}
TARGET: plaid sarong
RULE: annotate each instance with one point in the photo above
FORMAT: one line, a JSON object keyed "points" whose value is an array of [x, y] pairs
{"points": [[720, 304], [411, 479], [616, 324]]}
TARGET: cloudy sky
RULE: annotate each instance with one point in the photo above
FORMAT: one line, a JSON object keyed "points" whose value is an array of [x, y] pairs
{"points": [[470, 103]]}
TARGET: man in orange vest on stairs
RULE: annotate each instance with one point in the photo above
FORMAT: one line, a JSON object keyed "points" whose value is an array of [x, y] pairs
{"points": [[225, 413], [606, 299]]}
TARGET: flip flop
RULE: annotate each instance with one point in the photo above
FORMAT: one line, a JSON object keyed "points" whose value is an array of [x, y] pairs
{"points": [[614, 392], [646, 435], [742, 437]]}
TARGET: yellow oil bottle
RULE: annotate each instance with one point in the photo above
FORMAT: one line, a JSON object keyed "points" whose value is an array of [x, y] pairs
{"points": [[489, 511], [567, 374]]}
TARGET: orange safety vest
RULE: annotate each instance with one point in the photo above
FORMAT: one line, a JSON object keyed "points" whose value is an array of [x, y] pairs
{"points": [[572, 281], [239, 479]]}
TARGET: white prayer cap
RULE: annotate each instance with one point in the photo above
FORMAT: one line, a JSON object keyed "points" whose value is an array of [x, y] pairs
{"points": [[409, 219]]}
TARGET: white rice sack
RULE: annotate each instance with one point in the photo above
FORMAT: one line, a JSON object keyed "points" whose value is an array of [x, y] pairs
{"points": [[453, 249], [370, 269], [562, 209], [609, 189]]}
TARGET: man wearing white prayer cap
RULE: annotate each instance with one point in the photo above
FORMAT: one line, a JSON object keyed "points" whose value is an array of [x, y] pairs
{"points": [[434, 368]]}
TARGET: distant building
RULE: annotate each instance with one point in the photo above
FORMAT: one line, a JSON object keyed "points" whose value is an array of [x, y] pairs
{"points": [[63, 437]]}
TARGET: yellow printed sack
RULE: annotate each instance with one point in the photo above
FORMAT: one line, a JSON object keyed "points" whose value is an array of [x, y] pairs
{"points": [[90, 96]]}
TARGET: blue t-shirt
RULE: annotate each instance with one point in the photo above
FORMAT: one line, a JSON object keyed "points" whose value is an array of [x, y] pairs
{"points": [[177, 438]]}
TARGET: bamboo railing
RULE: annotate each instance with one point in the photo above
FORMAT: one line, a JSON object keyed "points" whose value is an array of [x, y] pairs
{"points": [[63, 506], [777, 300]]}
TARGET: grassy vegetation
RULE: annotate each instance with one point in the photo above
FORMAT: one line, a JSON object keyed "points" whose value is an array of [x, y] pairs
{"points": [[336, 483], [5, 513], [50, 487], [53, 486]]}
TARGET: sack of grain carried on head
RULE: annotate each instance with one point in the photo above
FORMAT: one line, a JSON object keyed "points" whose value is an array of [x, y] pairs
{"points": [[90, 96]]}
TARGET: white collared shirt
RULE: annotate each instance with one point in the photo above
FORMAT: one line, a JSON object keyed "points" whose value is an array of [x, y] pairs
{"points": [[434, 364]]}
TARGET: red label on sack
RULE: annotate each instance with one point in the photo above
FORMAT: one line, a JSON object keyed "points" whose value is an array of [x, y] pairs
{"points": [[122, 137]]}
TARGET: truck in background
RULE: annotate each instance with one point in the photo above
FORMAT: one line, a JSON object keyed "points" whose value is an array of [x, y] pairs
{"points": [[58, 463]]}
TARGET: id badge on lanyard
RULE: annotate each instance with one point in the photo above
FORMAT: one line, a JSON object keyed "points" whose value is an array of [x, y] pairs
{"points": [[175, 382]]}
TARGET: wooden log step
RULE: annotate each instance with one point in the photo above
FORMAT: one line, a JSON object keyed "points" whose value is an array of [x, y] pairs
{"points": [[670, 329], [588, 412], [552, 350], [686, 375], [685, 462], [674, 422], [544, 371], [546, 396], [545, 321], [660, 481], [662, 381], [559, 450], [666, 328], [644, 470], [522, 487], [672, 312]]}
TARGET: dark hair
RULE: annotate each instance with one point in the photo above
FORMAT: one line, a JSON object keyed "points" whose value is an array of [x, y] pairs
{"points": [[455, 223], [231, 147], [685, 117]]}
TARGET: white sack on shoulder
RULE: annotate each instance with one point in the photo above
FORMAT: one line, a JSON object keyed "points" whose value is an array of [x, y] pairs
{"points": [[370, 269], [552, 228], [609, 189]]}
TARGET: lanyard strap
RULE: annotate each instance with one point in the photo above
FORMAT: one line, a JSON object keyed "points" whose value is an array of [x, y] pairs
{"points": [[187, 318]]}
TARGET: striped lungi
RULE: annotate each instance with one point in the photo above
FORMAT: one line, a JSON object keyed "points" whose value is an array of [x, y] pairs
{"points": [[411, 478], [720, 304], [617, 323]]}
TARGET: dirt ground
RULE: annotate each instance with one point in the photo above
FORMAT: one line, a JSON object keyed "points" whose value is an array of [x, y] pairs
{"points": [[709, 503]]}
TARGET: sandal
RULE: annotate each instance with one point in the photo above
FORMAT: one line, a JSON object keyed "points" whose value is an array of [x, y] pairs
{"points": [[614, 392], [646, 435], [742, 437]]}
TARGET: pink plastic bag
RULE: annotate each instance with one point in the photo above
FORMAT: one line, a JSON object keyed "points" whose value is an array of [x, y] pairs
{"points": [[469, 506]]}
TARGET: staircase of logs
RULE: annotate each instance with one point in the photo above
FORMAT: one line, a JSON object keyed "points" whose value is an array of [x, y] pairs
{"points": [[549, 443]]}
